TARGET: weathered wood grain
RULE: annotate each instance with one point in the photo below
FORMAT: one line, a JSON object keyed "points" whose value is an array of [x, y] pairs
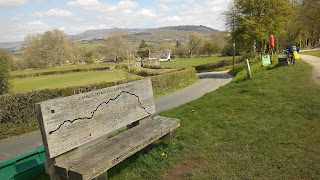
{"points": [[91, 162], [69, 122]]}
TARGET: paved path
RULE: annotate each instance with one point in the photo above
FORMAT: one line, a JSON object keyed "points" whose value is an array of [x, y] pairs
{"points": [[208, 82], [315, 62]]}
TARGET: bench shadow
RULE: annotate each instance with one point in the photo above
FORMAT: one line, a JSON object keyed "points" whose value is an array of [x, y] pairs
{"points": [[214, 76], [132, 160]]}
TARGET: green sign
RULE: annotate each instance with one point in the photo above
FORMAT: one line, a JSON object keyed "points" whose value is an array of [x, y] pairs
{"points": [[266, 59]]}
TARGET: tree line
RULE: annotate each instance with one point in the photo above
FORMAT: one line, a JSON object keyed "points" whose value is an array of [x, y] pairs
{"points": [[292, 22]]}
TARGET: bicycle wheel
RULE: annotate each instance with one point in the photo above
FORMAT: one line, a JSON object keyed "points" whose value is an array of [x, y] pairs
{"points": [[293, 61]]}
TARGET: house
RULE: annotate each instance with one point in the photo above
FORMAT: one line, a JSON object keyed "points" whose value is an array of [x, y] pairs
{"points": [[162, 55]]}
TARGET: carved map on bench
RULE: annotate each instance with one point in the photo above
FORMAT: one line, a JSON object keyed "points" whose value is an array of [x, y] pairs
{"points": [[70, 122]]}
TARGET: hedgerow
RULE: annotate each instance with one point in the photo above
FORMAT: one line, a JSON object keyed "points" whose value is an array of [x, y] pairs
{"points": [[18, 114]]}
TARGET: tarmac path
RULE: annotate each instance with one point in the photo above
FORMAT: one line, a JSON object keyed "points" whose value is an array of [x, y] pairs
{"points": [[208, 82]]}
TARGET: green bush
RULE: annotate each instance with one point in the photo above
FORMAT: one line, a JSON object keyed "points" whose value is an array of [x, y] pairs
{"points": [[5, 61], [217, 64], [18, 114], [172, 80], [60, 72]]}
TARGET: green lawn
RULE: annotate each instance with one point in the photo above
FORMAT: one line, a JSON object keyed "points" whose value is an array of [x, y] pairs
{"points": [[67, 80], [313, 53], [185, 62], [62, 68], [261, 128]]}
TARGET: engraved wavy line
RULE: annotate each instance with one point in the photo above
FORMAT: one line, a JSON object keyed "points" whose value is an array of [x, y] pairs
{"points": [[104, 102]]}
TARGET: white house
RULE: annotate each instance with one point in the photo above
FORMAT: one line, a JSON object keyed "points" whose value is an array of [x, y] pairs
{"points": [[162, 55]]}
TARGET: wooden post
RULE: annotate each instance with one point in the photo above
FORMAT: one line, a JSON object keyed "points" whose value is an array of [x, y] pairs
{"points": [[246, 62], [234, 51]]}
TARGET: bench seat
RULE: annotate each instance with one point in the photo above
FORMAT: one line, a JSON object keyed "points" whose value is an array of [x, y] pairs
{"points": [[96, 160]]}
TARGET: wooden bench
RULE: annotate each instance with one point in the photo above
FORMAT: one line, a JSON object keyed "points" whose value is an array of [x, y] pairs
{"points": [[72, 128]]}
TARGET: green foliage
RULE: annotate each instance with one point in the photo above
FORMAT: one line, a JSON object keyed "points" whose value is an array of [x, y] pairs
{"points": [[5, 61], [187, 62], [174, 80], [47, 50], [61, 70], [209, 48], [18, 115], [254, 20], [217, 64]]}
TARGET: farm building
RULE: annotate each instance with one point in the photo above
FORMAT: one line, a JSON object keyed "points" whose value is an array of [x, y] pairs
{"points": [[162, 56]]}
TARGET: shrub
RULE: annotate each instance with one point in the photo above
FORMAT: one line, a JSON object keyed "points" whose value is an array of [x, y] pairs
{"points": [[217, 64], [5, 61], [18, 114]]}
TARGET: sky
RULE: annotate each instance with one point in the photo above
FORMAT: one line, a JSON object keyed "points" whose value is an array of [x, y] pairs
{"points": [[22, 17]]}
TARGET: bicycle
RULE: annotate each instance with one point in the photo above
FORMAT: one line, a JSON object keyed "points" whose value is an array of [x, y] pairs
{"points": [[290, 57]]}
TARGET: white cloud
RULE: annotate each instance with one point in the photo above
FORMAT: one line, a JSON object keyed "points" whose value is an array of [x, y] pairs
{"points": [[18, 31], [168, 0], [52, 13], [12, 3]]}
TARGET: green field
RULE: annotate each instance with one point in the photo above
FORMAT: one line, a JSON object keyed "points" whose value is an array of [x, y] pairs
{"points": [[63, 68], [67, 80], [313, 53], [90, 46], [185, 62], [261, 128]]}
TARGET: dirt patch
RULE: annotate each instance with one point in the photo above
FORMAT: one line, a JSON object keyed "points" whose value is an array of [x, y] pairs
{"points": [[180, 170]]}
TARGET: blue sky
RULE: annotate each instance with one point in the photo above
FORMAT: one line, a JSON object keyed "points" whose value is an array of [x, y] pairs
{"points": [[22, 17]]}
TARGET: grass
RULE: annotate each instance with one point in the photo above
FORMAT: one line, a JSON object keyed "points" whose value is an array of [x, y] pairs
{"points": [[261, 128], [62, 68], [67, 80], [313, 53], [266, 127], [186, 62], [90, 46]]}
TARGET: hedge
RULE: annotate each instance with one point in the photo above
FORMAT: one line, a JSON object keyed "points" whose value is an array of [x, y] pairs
{"points": [[18, 114], [59, 72], [217, 64]]}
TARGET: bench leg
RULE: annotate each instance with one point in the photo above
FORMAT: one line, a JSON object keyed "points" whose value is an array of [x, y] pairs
{"points": [[170, 136], [103, 176]]}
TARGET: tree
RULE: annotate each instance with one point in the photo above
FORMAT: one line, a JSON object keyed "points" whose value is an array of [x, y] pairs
{"points": [[194, 42], [143, 45], [118, 47], [5, 60], [252, 21], [164, 45], [209, 48], [47, 50]]}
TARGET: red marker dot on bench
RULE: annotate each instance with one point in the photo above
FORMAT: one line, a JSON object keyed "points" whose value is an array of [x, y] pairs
{"points": [[91, 112], [89, 134]]}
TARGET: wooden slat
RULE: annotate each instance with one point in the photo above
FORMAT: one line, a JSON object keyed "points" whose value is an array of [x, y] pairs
{"points": [[69, 122], [98, 159]]}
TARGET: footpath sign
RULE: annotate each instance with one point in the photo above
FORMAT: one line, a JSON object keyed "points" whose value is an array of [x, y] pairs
{"points": [[266, 59]]}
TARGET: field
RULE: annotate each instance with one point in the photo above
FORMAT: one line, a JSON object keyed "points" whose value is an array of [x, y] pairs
{"points": [[90, 46], [266, 127], [185, 62], [314, 53], [62, 68], [67, 80]]}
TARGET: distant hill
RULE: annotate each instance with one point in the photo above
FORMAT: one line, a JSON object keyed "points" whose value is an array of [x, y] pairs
{"points": [[102, 33], [11, 46], [170, 33], [151, 35]]}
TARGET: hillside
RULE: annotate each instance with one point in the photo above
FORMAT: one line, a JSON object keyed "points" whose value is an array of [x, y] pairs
{"points": [[155, 35], [170, 33]]}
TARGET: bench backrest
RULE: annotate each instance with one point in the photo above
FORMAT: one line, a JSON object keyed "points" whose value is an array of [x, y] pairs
{"points": [[69, 122]]}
